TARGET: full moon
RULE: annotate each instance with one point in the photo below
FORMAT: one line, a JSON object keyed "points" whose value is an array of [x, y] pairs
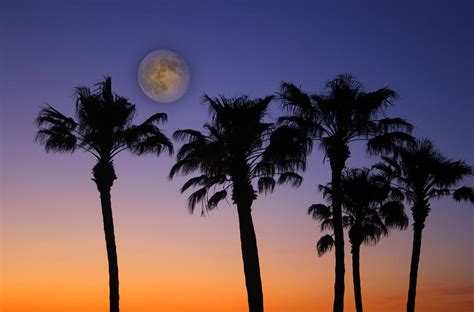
{"points": [[163, 76]]}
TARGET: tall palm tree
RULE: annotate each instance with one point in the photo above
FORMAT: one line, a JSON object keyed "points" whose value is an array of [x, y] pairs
{"points": [[423, 174], [344, 114], [229, 155], [370, 208], [103, 129]]}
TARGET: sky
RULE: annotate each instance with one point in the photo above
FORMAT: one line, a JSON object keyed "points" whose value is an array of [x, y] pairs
{"points": [[52, 244]]}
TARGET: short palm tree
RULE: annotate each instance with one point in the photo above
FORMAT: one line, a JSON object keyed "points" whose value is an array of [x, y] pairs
{"points": [[103, 129], [423, 174], [229, 155], [370, 208], [346, 113]]}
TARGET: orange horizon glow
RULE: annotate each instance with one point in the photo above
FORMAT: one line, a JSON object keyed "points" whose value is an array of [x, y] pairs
{"points": [[190, 263]]}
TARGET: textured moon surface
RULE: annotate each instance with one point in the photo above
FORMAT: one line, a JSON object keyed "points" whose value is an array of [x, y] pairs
{"points": [[163, 76]]}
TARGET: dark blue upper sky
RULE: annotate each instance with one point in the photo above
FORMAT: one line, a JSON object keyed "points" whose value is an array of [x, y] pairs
{"points": [[422, 49]]}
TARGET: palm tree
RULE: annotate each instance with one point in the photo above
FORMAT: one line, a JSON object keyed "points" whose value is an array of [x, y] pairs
{"points": [[103, 129], [346, 113], [370, 208], [423, 174], [229, 155]]}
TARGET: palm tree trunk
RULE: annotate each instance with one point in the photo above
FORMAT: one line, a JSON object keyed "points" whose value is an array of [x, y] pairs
{"points": [[338, 236], [415, 259], [111, 249], [356, 276], [248, 242]]}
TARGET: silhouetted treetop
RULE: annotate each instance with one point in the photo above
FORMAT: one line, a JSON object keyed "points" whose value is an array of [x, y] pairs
{"points": [[103, 128], [237, 146]]}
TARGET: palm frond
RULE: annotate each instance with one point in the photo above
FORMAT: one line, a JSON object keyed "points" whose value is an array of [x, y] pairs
{"points": [[394, 124], [438, 193], [185, 166], [215, 199], [196, 197], [327, 224], [288, 149], [57, 139], [376, 101], [195, 181], [146, 138], [156, 118], [294, 99], [464, 193], [194, 148], [56, 131], [393, 214], [388, 142], [372, 232], [264, 168], [187, 134], [324, 244], [326, 190], [384, 169], [266, 184], [50, 116], [292, 178], [447, 172], [320, 212]]}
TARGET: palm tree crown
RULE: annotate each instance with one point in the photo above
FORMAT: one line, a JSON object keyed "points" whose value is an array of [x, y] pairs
{"points": [[103, 128], [370, 207], [346, 113], [423, 173], [237, 147]]}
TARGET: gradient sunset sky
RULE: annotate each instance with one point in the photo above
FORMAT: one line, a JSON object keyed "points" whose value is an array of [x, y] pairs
{"points": [[53, 256]]}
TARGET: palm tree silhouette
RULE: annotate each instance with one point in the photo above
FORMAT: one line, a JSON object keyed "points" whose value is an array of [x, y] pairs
{"points": [[232, 152], [346, 113], [371, 206], [423, 174], [104, 129]]}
